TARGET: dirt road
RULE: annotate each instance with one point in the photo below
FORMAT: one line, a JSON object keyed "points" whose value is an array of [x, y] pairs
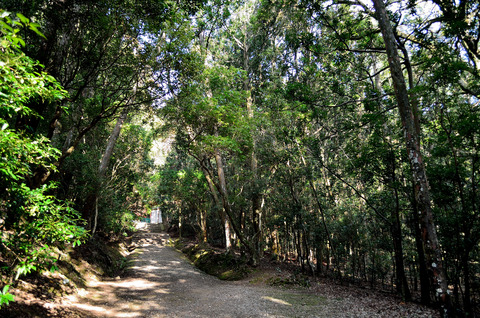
{"points": [[161, 283]]}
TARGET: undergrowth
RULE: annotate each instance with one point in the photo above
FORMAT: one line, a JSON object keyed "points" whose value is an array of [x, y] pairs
{"points": [[225, 266]]}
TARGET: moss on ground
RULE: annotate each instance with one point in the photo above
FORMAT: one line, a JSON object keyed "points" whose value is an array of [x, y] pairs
{"points": [[225, 266], [294, 279]]}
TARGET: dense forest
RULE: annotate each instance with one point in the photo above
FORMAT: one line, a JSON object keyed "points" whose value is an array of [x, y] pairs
{"points": [[342, 135]]}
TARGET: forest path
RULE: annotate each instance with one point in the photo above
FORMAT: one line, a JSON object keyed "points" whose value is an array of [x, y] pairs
{"points": [[161, 283]]}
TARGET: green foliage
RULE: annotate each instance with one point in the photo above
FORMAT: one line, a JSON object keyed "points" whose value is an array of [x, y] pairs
{"points": [[44, 223], [20, 154], [22, 78], [295, 98], [34, 221], [212, 105], [5, 296], [331, 169]]}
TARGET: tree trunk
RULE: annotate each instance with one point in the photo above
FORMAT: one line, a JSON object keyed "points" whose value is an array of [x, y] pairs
{"points": [[180, 222], [210, 183], [396, 226], [224, 194], [256, 199], [401, 278], [422, 264], [322, 215], [111, 143], [203, 225], [422, 191], [89, 210]]}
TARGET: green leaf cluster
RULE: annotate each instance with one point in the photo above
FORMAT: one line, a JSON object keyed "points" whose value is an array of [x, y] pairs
{"points": [[5, 296], [32, 220]]}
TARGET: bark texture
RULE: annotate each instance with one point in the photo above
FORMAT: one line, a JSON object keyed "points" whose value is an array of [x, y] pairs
{"points": [[422, 191]]}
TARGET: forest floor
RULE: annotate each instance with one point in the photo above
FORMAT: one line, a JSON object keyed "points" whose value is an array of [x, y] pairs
{"points": [[161, 282]]}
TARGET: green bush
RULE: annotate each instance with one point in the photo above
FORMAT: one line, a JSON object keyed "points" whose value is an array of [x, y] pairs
{"points": [[33, 222]]}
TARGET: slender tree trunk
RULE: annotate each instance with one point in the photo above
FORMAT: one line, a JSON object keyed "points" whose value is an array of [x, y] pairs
{"points": [[225, 214], [224, 194], [111, 143], [401, 278], [180, 222], [229, 217], [422, 191], [89, 210], [320, 208], [256, 199], [202, 224], [95, 218], [422, 263], [211, 185], [396, 226]]}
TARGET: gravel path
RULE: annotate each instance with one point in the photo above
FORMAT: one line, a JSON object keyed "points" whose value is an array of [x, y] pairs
{"points": [[161, 283]]}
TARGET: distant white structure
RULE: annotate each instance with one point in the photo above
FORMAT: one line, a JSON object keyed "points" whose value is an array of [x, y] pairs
{"points": [[156, 216]]}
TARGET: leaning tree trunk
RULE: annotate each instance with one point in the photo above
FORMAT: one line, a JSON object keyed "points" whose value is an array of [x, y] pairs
{"points": [[424, 280], [111, 144], [395, 226], [102, 168], [422, 191], [229, 217]]}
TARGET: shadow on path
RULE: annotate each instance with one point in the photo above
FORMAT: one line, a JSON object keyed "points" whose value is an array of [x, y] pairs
{"points": [[160, 283]]}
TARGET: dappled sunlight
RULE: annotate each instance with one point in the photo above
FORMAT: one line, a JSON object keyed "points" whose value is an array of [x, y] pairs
{"points": [[91, 308], [276, 300], [126, 309], [137, 283], [147, 268], [160, 284], [151, 279], [120, 298]]}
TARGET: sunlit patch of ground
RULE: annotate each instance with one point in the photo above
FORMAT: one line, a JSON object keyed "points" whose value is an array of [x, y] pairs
{"points": [[160, 283]]}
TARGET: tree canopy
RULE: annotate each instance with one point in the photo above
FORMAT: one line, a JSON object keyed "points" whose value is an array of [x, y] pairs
{"points": [[339, 135]]}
